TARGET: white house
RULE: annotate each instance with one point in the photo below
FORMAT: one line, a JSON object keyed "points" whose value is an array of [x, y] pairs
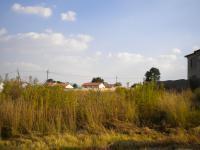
{"points": [[91, 85], [24, 84], [1, 86], [68, 86]]}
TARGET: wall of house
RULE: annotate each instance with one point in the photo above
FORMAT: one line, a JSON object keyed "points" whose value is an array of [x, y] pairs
{"points": [[194, 66], [101, 86], [1, 87]]}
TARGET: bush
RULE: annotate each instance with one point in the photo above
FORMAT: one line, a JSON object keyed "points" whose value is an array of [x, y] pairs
{"points": [[177, 108], [6, 132], [197, 94], [12, 89]]}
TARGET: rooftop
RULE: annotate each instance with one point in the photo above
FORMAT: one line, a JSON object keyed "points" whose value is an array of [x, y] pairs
{"points": [[91, 84], [195, 52]]}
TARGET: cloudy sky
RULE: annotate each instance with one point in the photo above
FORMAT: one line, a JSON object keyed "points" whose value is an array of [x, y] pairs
{"points": [[78, 39]]}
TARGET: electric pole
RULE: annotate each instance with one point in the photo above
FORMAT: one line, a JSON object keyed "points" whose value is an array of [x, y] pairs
{"points": [[6, 77], [47, 74], [18, 76], [116, 79], [127, 84]]}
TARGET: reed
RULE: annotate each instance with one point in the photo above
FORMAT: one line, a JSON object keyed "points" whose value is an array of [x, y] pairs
{"points": [[44, 110]]}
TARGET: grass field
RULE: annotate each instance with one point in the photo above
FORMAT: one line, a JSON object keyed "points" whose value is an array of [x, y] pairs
{"points": [[40, 117]]}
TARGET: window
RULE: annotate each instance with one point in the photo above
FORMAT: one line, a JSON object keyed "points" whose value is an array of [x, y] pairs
{"points": [[191, 63]]}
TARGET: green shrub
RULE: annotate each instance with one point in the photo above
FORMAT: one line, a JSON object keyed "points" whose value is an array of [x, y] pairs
{"points": [[12, 89]]}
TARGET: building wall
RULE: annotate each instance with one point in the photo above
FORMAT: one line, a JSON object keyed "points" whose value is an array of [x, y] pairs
{"points": [[194, 66], [101, 86], [1, 86]]}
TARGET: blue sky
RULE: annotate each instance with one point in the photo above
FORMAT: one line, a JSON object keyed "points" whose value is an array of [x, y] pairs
{"points": [[80, 39]]}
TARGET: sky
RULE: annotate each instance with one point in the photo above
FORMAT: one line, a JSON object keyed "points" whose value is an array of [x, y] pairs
{"points": [[77, 40]]}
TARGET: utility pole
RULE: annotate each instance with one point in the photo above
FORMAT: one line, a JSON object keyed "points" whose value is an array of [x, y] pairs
{"points": [[116, 79], [127, 84], [6, 77], [18, 76], [47, 74]]}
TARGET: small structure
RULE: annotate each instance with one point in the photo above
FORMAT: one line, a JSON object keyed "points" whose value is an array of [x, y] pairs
{"points": [[92, 85], [1, 86], [110, 86], [58, 83], [68, 86], [194, 64], [24, 84]]}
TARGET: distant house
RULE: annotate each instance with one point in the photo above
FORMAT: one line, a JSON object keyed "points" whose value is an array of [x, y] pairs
{"points": [[24, 84], [1, 86], [92, 85], [61, 84], [194, 64], [68, 86], [109, 86]]}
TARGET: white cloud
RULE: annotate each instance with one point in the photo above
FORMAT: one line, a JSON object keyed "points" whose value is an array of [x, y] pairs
{"points": [[196, 47], [98, 53], [36, 10], [168, 57], [48, 41], [176, 51], [3, 31], [23, 65], [54, 50], [68, 16], [126, 65], [110, 55], [130, 57]]}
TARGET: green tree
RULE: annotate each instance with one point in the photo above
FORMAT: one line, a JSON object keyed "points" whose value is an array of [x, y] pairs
{"points": [[97, 80], [49, 80], [118, 84], [152, 75], [75, 85]]}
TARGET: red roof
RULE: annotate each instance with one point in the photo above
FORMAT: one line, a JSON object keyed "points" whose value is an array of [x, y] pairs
{"points": [[57, 84], [91, 84]]}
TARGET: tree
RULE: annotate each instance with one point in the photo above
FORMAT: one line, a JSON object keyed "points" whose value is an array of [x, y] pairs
{"points": [[118, 84], [50, 81], [75, 85], [97, 80], [59, 82], [35, 81], [152, 75]]}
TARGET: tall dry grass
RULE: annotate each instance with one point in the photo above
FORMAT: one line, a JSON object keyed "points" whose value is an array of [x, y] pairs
{"points": [[41, 109]]}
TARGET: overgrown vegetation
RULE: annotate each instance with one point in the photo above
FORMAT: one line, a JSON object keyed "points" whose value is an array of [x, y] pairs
{"points": [[51, 110]]}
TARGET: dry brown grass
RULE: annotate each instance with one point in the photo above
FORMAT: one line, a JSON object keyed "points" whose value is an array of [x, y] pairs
{"points": [[120, 115]]}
